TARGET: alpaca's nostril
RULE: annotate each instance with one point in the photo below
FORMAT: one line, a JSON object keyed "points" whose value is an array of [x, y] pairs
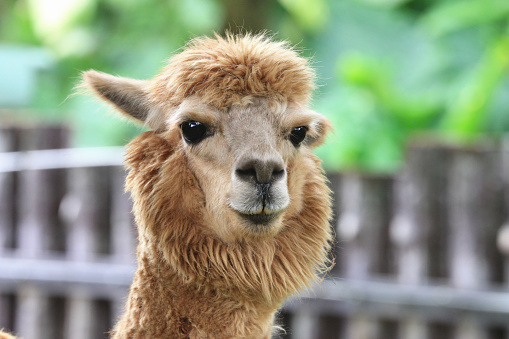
{"points": [[259, 171], [278, 173], [246, 174]]}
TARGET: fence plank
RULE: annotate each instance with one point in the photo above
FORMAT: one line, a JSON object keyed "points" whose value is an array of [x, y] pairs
{"points": [[39, 230], [418, 230], [40, 192], [303, 324], [87, 209], [474, 203], [362, 231]]}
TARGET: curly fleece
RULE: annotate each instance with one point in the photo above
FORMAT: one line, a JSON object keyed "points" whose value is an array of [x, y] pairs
{"points": [[190, 284], [223, 70]]}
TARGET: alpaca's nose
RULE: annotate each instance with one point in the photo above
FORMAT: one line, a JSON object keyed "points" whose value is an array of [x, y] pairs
{"points": [[260, 171]]}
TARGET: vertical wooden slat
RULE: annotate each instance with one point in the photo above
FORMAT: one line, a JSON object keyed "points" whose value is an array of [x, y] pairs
{"points": [[474, 205], [362, 232], [80, 311], [33, 317], [87, 212], [363, 225], [87, 209], [418, 230], [38, 198], [304, 324]]}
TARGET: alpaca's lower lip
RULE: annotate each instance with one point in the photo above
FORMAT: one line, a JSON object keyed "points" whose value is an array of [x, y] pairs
{"points": [[259, 218]]}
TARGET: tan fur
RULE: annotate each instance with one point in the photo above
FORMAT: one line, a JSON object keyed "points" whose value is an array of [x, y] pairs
{"points": [[223, 290], [224, 70], [4, 335], [204, 269]]}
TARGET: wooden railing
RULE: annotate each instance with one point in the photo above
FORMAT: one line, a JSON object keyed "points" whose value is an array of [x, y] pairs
{"points": [[420, 255], [67, 240]]}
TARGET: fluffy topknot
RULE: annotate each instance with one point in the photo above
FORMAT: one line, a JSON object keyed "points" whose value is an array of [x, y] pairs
{"points": [[223, 70]]}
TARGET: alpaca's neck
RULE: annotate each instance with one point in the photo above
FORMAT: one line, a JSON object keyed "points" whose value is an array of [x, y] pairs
{"points": [[161, 305], [190, 284]]}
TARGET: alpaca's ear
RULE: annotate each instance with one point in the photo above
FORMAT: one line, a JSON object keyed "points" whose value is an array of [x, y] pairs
{"points": [[129, 96], [318, 130]]}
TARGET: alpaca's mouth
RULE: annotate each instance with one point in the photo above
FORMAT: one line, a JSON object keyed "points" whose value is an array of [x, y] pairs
{"points": [[260, 218]]}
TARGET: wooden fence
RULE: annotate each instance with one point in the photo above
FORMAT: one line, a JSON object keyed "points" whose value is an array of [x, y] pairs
{"points": [[422, 255], [66, 236]]}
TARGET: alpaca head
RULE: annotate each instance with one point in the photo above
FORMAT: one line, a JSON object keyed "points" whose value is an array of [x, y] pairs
{"points": [[237, 107]]}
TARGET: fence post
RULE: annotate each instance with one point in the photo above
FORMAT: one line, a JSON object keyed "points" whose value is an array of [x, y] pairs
{"points": [[40, 192], [87, 209], [363, 236], [418, 229], [474, 202], [39, 197]]}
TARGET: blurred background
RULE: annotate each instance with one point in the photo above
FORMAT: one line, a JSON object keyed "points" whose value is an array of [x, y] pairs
{"points": [[417, 90]]}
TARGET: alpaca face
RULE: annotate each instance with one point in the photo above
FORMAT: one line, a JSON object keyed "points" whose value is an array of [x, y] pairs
{"points": [[241, 156], [239, 108]]}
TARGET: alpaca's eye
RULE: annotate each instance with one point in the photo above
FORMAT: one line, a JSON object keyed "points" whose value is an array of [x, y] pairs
{"points": [[298, 134], [193, 131]]}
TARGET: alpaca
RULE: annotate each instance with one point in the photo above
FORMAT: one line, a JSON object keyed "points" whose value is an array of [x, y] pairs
{"points": [[232, 207]]}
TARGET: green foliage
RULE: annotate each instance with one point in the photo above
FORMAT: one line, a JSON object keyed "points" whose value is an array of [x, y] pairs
{"points": [[311, 15], [441, 69], [125, 37], [389, 69]]}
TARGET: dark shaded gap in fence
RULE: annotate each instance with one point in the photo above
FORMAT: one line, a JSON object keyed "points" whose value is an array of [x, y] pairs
{"points": [[103, 319], [439, 330], [330, 327], [57, 318], [389, 329], [9, 142], [497, 333], [7, 310], [283, 319]]}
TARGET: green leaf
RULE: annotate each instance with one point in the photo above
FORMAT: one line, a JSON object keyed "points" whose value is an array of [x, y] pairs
{"points": [[450, 16], [467, 115], [312, 15]]}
